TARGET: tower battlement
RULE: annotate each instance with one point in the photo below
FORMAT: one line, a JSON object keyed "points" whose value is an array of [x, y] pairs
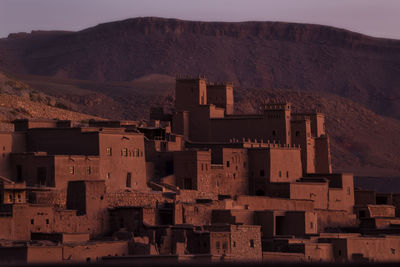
{"points": [[277, 106]]}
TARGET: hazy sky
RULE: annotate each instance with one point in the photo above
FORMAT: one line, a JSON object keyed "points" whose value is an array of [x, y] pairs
{"points": [[373, 17]]}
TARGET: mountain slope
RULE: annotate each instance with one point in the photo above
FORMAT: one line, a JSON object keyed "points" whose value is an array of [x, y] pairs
{"points": [[251, 54], [118, 70], [19, 101]]}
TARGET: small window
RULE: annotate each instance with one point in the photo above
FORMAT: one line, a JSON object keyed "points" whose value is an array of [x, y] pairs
{"points": [[206, 167], [297, 133], [217, 245], [128, 179], [280, 174], [251, 243], [362, 214], [125, 152], [137, 152], [287, 174], [108, 151], [4, 147], [234, 244], [202, 167], [234, 176], [141, 153], [32, 221], [108, 175], [10, 197], [19, 197], [228, 164], [71, 169], [224, 245], [47, 221], [88, 170], [262, 173]]}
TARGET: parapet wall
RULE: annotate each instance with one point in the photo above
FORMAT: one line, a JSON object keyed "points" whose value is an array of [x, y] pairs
{"points": [[268, 203], [57, 198], [127, 199]]}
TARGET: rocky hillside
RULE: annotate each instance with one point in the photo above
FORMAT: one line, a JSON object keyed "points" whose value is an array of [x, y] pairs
{"points": [[18, 100], [252, 54], [118, 70]]}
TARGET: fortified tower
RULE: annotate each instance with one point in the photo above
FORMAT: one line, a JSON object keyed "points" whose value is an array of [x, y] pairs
{"points": [[278, 116], [221, 95], [190, 92]]}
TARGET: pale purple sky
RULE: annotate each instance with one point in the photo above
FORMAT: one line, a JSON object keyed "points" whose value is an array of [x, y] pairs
{"points": [[379, 18]]}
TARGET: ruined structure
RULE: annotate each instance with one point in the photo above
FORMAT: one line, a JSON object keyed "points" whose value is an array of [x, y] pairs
{"points": [[200, 183]]}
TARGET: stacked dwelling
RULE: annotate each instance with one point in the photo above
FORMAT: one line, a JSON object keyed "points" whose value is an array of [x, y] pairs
{"points": [[198, 183]]}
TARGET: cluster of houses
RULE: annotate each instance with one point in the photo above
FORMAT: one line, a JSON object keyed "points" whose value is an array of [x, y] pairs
{"points": [[199, 183]]}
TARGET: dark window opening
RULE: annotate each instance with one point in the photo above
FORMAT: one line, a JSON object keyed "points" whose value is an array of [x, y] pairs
{"points": [[279, 224], [362, 214], [262, 173], [381, 200], [187, 183], [32, 221], [228, 164], [41, 175], [297, 133], [19, 173], [128, 179], [260, 192], [280, 174], [251, 243], [273, 133], [170, 167], [47, 221], [287, 174]]}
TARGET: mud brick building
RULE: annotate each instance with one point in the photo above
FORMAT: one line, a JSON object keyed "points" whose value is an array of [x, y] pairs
{"points": [[198, 183]]}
